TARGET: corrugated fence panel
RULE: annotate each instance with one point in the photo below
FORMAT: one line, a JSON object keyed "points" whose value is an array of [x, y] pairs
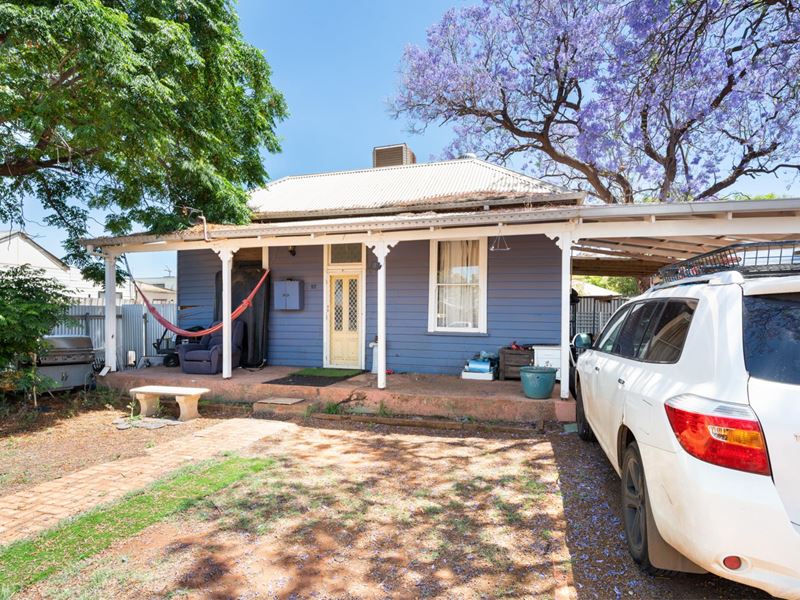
{"points": [[153, 329], [592, 314], [137, 330], [85, 320], [130, 335]]}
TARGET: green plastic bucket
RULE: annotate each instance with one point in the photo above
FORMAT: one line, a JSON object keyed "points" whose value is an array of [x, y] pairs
{"points": [[538, 382]]}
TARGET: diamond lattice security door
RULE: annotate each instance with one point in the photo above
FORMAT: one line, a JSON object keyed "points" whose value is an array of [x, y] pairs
{"points": [[345, 320]]}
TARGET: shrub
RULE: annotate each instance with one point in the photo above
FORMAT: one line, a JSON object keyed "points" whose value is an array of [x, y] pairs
{"points": [[31, 305]]}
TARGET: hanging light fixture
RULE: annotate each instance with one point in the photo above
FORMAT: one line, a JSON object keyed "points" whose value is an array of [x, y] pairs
{"points": [[499, 243]]}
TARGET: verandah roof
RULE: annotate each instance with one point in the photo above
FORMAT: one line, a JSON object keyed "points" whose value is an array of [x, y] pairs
{"points": [[604, 245]]}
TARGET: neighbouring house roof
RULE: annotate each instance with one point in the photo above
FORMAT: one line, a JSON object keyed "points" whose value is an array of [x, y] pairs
{"points": [[7, 235], [149, 288], [590, 290], [450, 184]]}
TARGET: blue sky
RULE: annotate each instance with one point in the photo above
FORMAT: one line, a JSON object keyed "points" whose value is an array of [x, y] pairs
{"points": [[337, 64]]}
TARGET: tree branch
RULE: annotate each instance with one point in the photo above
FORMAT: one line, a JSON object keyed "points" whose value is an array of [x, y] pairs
{"points": [[739, 170], [26, 166]]}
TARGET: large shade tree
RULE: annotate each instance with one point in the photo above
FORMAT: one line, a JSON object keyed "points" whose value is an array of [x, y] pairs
{"points": [[673, 100], [133, 107]]}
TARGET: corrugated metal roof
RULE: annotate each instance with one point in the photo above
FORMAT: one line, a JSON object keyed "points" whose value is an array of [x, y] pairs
{"points": [[422, 184], [546, 213]]}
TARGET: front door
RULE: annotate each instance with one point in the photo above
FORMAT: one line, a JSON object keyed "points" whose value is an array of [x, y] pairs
{"points": [[344, 320]]}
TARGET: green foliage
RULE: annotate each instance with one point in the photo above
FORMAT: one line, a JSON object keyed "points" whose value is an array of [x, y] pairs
{"points": [[627, 286], [31, 305], [137, 108], [327, 372], [29, 561], [332, 408]]}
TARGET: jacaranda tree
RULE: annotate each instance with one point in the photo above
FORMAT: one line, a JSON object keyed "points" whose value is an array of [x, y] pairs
{"points": [[135, 107], [627, 99]]}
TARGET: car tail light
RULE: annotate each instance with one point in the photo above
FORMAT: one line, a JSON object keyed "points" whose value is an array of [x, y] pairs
{"points": [[734, 563], [720, 433]]}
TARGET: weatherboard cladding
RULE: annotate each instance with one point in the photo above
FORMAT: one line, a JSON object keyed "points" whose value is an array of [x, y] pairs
{"points": [[295, 337], [197, 271], [413, 184], [523, 304]]}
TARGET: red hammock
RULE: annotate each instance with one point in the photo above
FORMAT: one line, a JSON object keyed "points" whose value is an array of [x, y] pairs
{"points": [[246, 303]]}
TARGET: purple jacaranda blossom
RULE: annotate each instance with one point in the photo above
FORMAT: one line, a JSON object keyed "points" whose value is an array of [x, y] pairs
{"points": [[628, 99]]}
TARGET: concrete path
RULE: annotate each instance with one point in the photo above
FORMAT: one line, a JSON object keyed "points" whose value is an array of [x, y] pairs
{"points": [[27, 512]]}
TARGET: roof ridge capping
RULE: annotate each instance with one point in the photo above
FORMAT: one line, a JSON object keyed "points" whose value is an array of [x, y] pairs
{"points": [[417, 165]]}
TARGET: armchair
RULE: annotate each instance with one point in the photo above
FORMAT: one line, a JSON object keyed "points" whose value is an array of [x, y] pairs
{"points": [[205, 356]]}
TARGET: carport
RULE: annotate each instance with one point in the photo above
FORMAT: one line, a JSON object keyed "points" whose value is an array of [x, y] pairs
{"points": [[625, 240]]}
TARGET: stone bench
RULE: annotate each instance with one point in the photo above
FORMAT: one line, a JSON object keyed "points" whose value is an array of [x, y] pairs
{"points": [[148, 397]]}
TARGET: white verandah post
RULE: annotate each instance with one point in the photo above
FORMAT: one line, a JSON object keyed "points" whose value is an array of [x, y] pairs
{"points": [[110, 323], [565, 241], [226, 256], [381, 250]]}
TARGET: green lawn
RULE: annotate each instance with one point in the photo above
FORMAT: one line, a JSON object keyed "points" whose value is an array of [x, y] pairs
{"points": [[25, 562], [322, 372]]}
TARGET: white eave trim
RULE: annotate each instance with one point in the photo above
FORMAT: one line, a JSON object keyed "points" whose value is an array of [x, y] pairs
{"points": [[515, 222]]}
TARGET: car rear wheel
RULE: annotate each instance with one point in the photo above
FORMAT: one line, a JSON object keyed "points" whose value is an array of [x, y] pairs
{"points": [[584, 429], [635, 508]]}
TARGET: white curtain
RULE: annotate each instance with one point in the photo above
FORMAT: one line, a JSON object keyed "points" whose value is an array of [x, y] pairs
{"points": [[458, 284]]}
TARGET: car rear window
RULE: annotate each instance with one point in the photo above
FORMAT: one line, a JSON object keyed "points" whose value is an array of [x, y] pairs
{"points": [[635, 334], [608, 339], [669, 334], [772, 337]]}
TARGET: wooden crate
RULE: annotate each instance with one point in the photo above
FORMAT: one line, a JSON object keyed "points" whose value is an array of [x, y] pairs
{"points": [[512, 360]]}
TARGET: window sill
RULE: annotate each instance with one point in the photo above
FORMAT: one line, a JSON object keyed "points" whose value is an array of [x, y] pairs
{"points": [[458, 333]]}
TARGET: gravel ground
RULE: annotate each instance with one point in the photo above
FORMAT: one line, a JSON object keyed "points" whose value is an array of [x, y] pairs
{"points": [[74, 432], [595, 535]]}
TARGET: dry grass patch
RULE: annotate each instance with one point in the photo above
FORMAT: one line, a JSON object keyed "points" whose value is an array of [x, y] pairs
{"points": [[363, 514]]}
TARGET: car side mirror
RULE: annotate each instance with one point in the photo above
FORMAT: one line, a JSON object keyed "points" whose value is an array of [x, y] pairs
{"points": [[582, 341]]}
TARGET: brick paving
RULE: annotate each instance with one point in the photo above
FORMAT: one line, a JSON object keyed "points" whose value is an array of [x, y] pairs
{"points": [[32, 510]]}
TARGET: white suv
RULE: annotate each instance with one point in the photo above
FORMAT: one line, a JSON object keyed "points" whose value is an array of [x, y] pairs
{"points": [[693, 392]]}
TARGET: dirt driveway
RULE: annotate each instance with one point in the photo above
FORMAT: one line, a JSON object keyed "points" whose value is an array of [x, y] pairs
{"points": [[354, 511]]}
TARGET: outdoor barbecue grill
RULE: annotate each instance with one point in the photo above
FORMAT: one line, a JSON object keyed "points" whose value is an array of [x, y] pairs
{"points": [[68, 361]]}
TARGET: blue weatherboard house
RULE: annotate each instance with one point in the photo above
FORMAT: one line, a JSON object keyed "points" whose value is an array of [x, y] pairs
{"points": [[446, 299], [417, 267]]}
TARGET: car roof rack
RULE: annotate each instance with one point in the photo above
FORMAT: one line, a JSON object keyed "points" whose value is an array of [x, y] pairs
{"points": [[751, 259]]}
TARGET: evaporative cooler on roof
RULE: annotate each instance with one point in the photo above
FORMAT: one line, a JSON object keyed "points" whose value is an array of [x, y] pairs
{"points": [[392, 156]]}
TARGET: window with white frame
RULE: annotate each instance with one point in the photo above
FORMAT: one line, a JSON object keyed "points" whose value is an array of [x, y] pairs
{"points": [[457, 299]]}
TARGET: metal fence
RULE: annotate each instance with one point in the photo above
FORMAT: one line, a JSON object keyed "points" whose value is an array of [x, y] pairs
{"points": [[137, 330], [590, 315]]}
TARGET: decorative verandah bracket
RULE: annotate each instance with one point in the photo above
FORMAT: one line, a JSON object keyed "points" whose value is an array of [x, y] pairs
{"points": [[381, 249], [225, 254], [564, 240]]}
